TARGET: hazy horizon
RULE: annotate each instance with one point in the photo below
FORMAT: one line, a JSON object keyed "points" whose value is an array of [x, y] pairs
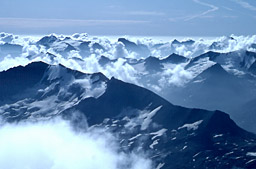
{"points": [[134, 18], [133, 38]]}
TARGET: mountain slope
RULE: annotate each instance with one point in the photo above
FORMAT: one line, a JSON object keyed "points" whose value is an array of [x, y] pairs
{"points": [[183, 132], [40, 90], [214, 88], [172, 136]]}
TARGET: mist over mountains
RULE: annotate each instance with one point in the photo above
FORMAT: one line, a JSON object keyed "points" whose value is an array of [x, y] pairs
{"points": [[130, 90]]}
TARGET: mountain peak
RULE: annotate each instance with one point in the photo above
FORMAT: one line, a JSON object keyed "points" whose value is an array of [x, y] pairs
{"points": [[214, 73], [175, 42], [174, 58], [221, 123], [216, 69], [127, 43], [153, 64], [24, 76], [211, 54], [47, 40], [186, 42]]}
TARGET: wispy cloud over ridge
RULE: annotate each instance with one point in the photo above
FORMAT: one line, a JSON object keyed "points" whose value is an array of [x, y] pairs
{"points": [[245, 5], [35, 23], [212, 9], [204, 14]]}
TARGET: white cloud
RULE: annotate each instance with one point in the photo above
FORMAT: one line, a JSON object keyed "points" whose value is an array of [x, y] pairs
{"points": [[203, 14], [55, 145], [177, 76], [212, 9], [6, 37], [182, 50], [245, 5], [120, 51], [122, 71], [10, 62], [118, 69], [80, 36], [30, 50]]}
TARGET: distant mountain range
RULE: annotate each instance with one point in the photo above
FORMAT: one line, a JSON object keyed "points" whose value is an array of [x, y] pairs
{"points": [[210, 74]]}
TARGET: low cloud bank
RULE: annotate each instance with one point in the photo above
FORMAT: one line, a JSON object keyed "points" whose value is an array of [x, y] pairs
{"points": [[55, 145]]}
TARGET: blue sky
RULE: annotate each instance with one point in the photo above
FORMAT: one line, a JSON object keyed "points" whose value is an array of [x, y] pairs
{"points": [[129, 17]]}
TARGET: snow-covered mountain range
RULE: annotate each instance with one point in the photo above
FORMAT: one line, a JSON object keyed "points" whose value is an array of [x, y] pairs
{"points": [[115, 85], [182, 71], [141, 120]]}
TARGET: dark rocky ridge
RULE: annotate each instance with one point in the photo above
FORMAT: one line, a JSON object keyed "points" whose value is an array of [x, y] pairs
{"points": [[188, 132]]}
